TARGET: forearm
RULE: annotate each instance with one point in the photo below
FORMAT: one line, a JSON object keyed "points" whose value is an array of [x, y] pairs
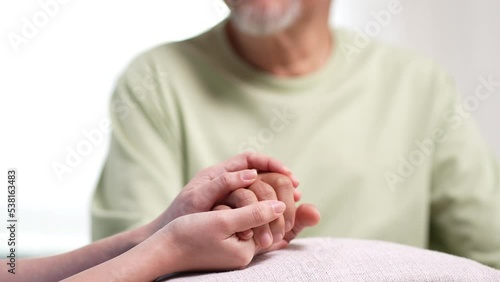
{"points": [[179, 247], [147, 261], [59, 267]]}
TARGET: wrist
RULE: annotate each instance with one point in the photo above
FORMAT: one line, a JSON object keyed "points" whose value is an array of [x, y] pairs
{"points": [[160, 221], [140, 234], [146, 261], [164, 256]]}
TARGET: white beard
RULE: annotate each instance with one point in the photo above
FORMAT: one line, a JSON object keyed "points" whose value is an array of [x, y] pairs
{"points": [[260, 20]]}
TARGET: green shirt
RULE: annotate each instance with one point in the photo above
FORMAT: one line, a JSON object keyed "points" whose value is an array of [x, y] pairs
{"points": [[374, 136]]}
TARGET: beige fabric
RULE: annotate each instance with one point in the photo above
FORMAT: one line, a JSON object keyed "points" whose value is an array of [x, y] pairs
{"points": [[332, 259]]}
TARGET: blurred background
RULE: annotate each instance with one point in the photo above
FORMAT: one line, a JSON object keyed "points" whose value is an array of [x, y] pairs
{"points": [[57, 78]]}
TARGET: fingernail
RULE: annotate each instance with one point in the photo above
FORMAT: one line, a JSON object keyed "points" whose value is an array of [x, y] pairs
{"points": [[278, 206], [287, 169], [266, 240], [288, 225], [249, 174]]}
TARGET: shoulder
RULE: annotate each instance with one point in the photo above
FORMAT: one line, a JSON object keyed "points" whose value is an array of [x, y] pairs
{"points": [[409, 74], [386, 59], [174, 54]]}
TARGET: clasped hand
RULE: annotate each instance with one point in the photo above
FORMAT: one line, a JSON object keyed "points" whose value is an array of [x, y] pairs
{"points": [[242, 207]]}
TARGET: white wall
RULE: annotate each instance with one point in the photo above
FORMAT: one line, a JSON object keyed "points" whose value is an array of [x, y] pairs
{"points": [[56, 87], [464, 36]]}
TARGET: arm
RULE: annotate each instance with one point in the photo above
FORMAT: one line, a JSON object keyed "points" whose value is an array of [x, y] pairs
{"points": [[58, 267], [200, 194], [203, 241], [465, 210], [176, 247], [212, 185]]}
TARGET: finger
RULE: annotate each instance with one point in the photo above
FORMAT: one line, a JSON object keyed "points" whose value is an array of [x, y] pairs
{"points": [[245, 197], [252, 216], [244, 235], [284, 190], [297, 195], [239, 198], [271, 165], [249, 160], [307, 215], [266, 192], [274, 247], [221, 208], [225, 183]]}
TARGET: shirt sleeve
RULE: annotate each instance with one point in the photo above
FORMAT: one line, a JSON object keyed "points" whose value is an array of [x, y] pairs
{"points": [[465, 198], [143, 170]]}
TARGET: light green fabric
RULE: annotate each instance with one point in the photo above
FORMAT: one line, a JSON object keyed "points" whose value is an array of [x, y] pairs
{"points": [[355, 133]]}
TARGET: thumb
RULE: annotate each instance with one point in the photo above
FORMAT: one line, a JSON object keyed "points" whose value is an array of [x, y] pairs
{"points": [[254, 215], [306, 215]]}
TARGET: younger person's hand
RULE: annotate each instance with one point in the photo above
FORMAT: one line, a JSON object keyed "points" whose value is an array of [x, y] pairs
{"points": [[208, 241]]}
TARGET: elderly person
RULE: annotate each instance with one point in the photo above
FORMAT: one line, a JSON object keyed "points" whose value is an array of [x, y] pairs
{"points": [[374, 133]]}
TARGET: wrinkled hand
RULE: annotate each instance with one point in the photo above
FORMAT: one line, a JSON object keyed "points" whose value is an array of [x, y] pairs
{"points": [[213, 184], [208, 241], [277, 234], [269, 186]]}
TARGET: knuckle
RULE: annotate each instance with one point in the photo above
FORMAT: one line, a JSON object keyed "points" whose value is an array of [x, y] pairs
{"points": [[224, 180], [244, 197], [197, 202], [258, 214], [223, 223], [268, 194], [277, 225], [202, 172], [282, 182], [263, 191]]}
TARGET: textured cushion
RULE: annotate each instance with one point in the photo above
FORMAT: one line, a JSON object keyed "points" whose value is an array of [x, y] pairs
{"points": [[352, 260]]}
